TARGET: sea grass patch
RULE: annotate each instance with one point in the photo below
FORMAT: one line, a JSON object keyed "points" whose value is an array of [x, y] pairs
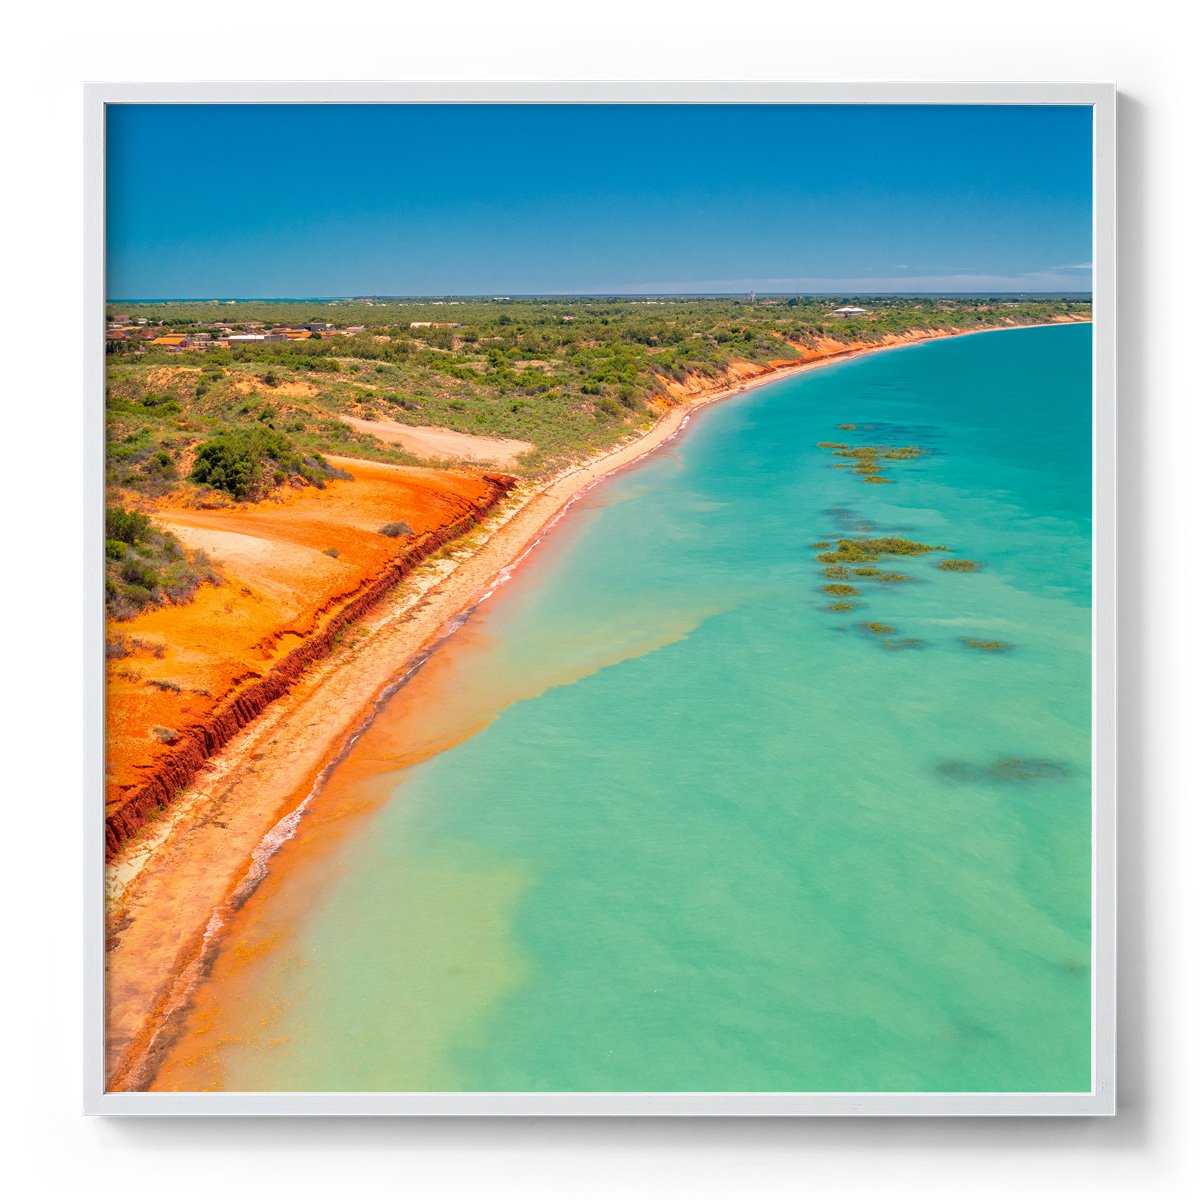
{"points": [[904, 643], [1004, 770], [987, 645], [963, 566], [847, 519], [870, 462], [868, 550]]}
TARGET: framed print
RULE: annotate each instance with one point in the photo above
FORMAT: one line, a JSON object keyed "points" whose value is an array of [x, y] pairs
{"points": [[603, 599]]}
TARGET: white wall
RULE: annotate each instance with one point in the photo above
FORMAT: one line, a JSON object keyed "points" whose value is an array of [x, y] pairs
{"points": [[1148, 49]]}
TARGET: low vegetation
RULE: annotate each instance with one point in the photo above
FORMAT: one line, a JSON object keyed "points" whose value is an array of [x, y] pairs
{"points": [[249, 463], [394, 529], [146, 566], [568, 375]]}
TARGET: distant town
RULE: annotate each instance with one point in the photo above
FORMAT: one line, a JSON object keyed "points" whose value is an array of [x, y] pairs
{"points": [[125, 332], [123, 329]]}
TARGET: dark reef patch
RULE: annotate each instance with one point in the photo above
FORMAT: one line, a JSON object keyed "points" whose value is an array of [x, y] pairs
{"points": [[905, 643], [1004, 770]]}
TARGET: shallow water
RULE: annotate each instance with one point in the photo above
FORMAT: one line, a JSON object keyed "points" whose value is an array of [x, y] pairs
{"points": [[656, 820]]}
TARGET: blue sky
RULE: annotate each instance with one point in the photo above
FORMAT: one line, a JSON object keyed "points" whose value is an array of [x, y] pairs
{"points": [[351, 200]]}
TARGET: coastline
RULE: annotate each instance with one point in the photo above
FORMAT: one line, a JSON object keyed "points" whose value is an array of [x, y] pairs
{"points": [[206, 854]]}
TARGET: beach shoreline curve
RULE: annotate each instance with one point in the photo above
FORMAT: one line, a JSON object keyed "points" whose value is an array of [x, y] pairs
{"points": [[197, 862]]}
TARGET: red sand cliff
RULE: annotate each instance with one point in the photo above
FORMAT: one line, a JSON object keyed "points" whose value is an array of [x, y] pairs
{"points": [[201, 672]]}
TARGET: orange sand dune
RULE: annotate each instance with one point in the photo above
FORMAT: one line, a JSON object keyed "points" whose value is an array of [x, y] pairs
{"points": [[278, 587]]}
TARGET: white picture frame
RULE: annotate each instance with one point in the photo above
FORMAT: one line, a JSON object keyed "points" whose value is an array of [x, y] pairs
{"points": [[1100, 1100]]}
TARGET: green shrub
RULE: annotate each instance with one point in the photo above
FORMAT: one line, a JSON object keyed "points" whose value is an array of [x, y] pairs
{"points": [[397, 529], [126, 525], [248, 462], [146, 566]]}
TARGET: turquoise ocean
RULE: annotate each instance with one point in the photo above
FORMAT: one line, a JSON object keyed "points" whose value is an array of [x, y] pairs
{"points": [[698, 832]]}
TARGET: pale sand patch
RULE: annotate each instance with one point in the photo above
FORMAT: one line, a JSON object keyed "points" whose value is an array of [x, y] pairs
{"points": [[431, 442]]}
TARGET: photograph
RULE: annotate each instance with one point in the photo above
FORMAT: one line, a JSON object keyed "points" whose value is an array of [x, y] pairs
{"points": [[600, 599]]}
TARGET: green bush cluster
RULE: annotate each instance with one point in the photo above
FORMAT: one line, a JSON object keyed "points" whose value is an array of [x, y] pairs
{"points": [[146, 566], [248, 462]]}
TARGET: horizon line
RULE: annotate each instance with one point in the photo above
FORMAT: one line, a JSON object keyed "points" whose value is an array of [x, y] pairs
{"points": [[343, 298]]}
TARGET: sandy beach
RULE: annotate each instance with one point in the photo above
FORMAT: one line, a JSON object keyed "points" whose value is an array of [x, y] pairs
{"points": [[172, 885]]}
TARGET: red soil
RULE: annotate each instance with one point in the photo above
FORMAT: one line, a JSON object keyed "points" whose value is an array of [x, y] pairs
{"points": [[201, 671]]}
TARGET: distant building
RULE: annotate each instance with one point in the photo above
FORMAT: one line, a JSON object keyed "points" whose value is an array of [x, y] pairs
{"points": [[170, 340], [849, 311], [319, 326], [350, 330], [246, 337], [433, 324]]}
